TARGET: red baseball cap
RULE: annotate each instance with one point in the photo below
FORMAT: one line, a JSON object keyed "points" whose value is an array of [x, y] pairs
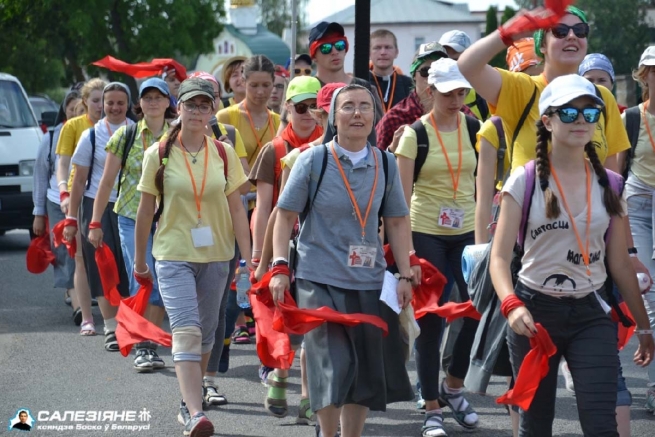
{"points": [[324, 97]]}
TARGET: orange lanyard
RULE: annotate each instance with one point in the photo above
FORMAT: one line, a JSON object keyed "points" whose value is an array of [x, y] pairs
{"points": [[584, 249], [252, 125], [193, 181], [647, 124], [390, 97], [109, 129], [454, 178], [362, 220]]}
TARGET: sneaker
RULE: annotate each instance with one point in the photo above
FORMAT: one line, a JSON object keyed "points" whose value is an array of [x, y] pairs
{"points": [[650, 400], [420, 402], [568, 379], [224, 361], [183, 416], [305, 414], [263, 374], [211, 396], [241, 336], [142, 362], [157, 363], [199, 426]]}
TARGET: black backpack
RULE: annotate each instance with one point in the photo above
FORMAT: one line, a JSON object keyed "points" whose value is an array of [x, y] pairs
{"points": [[130, 136], [632, 126]]}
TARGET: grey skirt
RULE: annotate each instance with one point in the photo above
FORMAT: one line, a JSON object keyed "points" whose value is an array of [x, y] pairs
{"points": [[353, 365], [111, 238]]}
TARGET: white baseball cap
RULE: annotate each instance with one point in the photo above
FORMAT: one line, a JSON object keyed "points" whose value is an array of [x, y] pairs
{"points": [[455, 39], [564, 89], [648, 57], [445, 76]]}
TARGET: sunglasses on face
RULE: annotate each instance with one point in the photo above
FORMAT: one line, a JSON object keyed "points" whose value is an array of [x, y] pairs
{"points": [[424, 72], [326, 48], [561, 31], [301, 108], [304, 71], [570, 114]]}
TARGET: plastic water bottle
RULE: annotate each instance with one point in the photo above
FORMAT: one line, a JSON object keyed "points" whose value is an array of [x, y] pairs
{"points": [[643, 280], [243, 285]]}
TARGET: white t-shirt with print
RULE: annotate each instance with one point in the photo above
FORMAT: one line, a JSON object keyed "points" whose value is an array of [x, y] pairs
{"points": [[552, 262]]}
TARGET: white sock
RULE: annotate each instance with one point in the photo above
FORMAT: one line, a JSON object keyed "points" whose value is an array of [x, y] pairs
{"points": [[110, 325], [460, 403], [209, 381]]}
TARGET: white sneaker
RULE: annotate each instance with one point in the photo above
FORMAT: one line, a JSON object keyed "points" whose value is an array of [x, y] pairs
{"points": [[650, 400], [568, 379]]}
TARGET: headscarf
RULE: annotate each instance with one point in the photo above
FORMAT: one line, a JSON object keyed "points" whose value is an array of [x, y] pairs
{"points": [[596, 61], [521, 55], [539, 35], [331, 131], [61, 114]]}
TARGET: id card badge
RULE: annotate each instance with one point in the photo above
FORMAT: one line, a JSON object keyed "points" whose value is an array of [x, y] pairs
{"points": [[202, 236], [362, 256], [452, 218]]}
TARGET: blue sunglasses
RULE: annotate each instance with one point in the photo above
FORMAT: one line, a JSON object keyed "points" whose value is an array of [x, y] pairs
{"points": [[570, 114]]}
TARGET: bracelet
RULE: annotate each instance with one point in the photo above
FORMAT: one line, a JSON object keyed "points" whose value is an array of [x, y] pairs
{"points": [[64, 195], [95, 225], [632, 250], [141, 273], [69, 217], [509, 304], [412, 252], [633, 255], [256, 251], [414, 261], [644, 331], [280, 262], [62, 183], [404, 278]]}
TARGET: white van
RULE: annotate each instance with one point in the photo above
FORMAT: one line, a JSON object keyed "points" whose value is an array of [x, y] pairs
{"points": [[20, 136]]}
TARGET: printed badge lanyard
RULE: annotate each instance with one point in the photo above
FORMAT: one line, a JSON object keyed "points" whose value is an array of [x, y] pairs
{"points": [[454, 178], [193, 181], [109, 129]]}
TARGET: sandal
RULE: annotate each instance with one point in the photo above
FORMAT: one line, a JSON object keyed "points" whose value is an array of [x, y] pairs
{"points": [[77, 316], [88, 328], [111, 343], [451, 400], [433, 426], [276, 398]]}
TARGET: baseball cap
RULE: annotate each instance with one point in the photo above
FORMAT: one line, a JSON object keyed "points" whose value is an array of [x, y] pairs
{"points": [[648, 57], [455, 39], [204, 75], [324, 97], [324, 28], [304, 57], [563, 89], [431, 50], [445, 76], [193, 87], [303, 88], [154, 82]]}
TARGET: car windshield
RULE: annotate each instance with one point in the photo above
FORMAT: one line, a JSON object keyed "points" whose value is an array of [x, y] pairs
{"points": [[15, 112], [42, 105]]}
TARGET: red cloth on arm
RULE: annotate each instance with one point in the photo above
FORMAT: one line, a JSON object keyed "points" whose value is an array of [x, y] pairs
{"points": [[108, 272], [624, 333], [132, 328], [533, 369], [39, 256], [142, 69], [58, 234], [139, 301], [453, 311]]}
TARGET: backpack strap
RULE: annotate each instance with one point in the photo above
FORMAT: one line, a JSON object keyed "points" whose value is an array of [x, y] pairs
{"points": [[502, 147], [422, 146], [216, 130], [92, 139], [527, 200], [316, 176], [51, 165], [280, 152], [473, 127], [617, 185], [130, 136], [226, 102], [517, 130], [222, 153], [632, 126], [231, 133], [385, 170]]}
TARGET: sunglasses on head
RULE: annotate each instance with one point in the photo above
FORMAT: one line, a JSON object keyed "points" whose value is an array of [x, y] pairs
{"points": [[303, 71], [570, 114], [561, 31], [326, 48], [301, 108]]}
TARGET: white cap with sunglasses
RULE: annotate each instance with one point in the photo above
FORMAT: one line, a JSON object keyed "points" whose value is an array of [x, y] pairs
{"points": [[648, 57], [564, 89], [445, 76]]}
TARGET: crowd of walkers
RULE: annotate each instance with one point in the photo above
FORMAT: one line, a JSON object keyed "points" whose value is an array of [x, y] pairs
{"points": [[328, 191]]}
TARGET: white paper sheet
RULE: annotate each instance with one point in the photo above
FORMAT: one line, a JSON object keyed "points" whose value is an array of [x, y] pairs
{"points": [[389, 293]]}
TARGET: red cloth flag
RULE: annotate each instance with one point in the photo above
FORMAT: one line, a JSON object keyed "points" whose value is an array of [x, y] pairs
{"points": [[273, 347], [624, 333], [453, 311], [142, 69], [58, 234], [108, 272], [39, 256], [132, 328], [533, 369], [529, 23], [139, 301]]}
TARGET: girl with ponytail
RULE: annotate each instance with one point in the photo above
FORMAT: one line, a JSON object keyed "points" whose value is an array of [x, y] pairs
{"points": [[563, 275]]}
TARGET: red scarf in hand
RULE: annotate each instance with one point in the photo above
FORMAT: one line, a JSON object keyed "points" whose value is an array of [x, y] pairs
{"points": [[533, 369], [132, 328], [39, 256], [290, 136], [58, 234], [624, 333], [108, 272]]}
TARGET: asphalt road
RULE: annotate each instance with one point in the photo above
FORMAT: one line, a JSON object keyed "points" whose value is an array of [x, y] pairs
{"points": [[47, 367]]}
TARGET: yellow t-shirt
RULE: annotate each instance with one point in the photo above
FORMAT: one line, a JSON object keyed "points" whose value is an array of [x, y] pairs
{"points": [[232, 115], [515, 93], [172, 241], [470, 100], [434, 188], [643, 162], [71, 133]]}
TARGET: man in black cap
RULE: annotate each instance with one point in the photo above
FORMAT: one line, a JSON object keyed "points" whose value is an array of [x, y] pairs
{"points": [[302, 65]]}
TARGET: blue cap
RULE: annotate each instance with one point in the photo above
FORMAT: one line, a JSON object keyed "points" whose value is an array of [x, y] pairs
{"points": [[596, 61], [154, 82]]}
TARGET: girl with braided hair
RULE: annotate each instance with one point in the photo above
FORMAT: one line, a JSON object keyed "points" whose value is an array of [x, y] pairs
{"points": [[198, 222], [563, 275]]}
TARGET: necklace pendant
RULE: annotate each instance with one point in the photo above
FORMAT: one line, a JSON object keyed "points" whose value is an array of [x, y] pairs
{"points": [[194, 160]]}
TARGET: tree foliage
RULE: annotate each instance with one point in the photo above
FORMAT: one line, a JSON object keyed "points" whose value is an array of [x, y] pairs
{"points": [[276, 16], [491, 26], [50, 43]]}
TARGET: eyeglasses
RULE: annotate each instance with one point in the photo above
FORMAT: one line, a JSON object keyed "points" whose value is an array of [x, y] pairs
{"points": [[326, 48], [203, 108], [157, 100], [424, 72], [278, 86], [570, 114], [561, 31], [350, 109], [301, 108], [304, 71]]}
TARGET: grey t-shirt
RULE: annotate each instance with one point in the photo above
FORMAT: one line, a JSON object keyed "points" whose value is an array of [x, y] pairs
{"points": [[332, 226]]}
